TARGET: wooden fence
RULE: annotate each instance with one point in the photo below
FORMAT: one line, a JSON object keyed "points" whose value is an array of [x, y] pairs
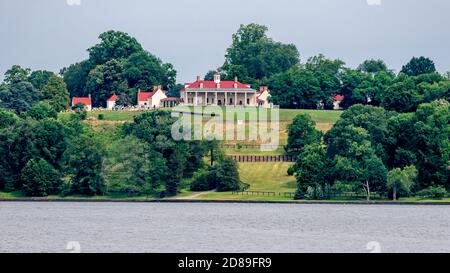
{"points": [[263, 158], [327, 196]]}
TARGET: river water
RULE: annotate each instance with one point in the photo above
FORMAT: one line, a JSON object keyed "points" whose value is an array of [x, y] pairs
{"points": [[206, 227]]}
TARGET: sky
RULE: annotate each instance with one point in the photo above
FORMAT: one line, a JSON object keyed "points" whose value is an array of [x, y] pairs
{"points": [[194, 35]]}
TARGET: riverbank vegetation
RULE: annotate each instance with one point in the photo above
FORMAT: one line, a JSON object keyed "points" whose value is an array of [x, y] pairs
{"points": [[375, 150], [44, 155]]}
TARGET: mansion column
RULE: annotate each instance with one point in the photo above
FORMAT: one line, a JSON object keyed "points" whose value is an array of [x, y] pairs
{"points": [[235, 98], [215, 99], [196, 99], [226, 99], [206, 98], [245, 98]]}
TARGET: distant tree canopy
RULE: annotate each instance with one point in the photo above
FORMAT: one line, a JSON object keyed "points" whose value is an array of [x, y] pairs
{"points": [[418, 66], [16, 74], [40, 78], [117, 64], [113, 45], [309, 86], [22, 89], [373, 66], [254, 56]]}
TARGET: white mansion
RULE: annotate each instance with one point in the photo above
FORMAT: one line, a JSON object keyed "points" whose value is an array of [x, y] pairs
{"points": [[220, 92], [198, 93]]}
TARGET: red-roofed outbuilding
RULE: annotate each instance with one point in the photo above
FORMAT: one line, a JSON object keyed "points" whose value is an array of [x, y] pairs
{"points": [[111, 102], [83, 100]]}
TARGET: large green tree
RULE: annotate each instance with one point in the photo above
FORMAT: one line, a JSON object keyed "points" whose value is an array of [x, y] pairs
{"points": [[254, 56], [417, 66], [113, 45], [373, 66], [76, 77], [39, 178], [355, 162], [84, 160], [296, 88], [401, 180], [117, 65], [128, 166], [310, 170], [56, 94], [18, 96], [302, 132], [422, 139], [42, 110], [39, 78], [144, 70], [328, 72], [373, 119], [104, 80], [405, 93], [182, 158], [17, 74]]}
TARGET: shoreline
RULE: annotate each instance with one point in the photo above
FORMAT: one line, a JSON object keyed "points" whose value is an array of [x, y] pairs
{"points": [[192, 201]]}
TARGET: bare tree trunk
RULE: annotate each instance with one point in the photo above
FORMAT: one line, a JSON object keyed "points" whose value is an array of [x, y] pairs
{"points": [[395, 193], [368, 190]]}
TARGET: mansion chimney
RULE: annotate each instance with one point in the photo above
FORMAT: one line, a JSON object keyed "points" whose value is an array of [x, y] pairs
{"points": [[217, 78]]}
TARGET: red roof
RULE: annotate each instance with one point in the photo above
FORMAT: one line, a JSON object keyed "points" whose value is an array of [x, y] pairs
{"points": [[113, 98], [144, 96], [213, 85], [338, 98], [83, 100]]}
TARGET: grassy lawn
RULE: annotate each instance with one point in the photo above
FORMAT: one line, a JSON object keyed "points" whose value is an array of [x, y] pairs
{"points": [[109, 115], [252, 151], [319, 116], [325, 120], [270, 176], [419, 200]]}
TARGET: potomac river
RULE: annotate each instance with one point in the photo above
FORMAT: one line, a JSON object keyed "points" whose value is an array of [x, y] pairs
{"points": [[208, 227]]}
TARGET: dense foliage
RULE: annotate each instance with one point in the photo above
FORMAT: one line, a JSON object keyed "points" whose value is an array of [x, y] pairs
{"points": [[253, 56], [374, 150], [117, 65], [178, 159]]}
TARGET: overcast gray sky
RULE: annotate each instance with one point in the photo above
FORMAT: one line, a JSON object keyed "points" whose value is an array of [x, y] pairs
{"points": [[193, 35]]}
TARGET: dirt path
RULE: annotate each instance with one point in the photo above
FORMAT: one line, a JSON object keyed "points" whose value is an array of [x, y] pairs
{"points": [[195, 196]]}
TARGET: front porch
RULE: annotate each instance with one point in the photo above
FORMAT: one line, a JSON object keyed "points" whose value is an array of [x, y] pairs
{"points": [[217, 98]]}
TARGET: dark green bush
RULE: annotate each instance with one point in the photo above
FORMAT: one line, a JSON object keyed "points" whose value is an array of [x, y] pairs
{"points": [[203, 181], [435, 192], [291, 171]]}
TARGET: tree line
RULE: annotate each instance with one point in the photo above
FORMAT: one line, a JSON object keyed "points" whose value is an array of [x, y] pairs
{"points": [[371, 149], [255, 58], [118, 64], [43, 153]]}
